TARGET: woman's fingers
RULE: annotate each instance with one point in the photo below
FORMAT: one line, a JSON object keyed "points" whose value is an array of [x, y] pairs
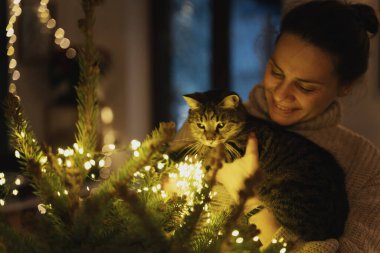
{"points": [[251, 154]]}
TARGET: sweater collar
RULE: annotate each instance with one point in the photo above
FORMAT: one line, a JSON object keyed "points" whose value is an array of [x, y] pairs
{"points": [[257, 106]]}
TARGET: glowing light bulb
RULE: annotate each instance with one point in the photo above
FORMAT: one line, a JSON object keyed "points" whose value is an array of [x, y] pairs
{"points": [[135, 144], [102, 163], [16, 75], [17, 154], [106, 115], [239, 240], [10, 51], [87, 165], [256, 238], [71, 53], [15, 192], [2, 202], [17, 181], [12, 63], [65, 43], [59, 33], [235, 233]]}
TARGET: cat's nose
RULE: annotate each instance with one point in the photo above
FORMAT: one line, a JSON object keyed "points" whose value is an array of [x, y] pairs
{"points": [[210, 136]]}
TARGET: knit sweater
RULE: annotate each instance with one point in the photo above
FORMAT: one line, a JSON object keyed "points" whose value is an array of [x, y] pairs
{"points": [[361, 163]]}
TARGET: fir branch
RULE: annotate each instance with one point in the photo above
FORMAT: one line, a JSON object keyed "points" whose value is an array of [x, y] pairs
{"points": [[17, 242], [156, 143], [213, 163], [88, 110]]}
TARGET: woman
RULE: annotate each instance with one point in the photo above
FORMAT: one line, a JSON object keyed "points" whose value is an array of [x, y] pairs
{"points": [[322, 49]]}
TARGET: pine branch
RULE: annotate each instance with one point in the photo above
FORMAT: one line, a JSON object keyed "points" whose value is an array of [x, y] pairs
{"points": [[213, 163], [16, 242], [155, 144], [88, 110]]}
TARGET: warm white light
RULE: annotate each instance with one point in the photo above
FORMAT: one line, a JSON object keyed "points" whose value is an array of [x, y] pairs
{"points": [[135, 144], [256, 238], [106, 115], [87, 165], [17, 181], [16, 75], [235, 232], [2, 202], [15, 192], [10, 32], [160, 166], [71, 53], [10, 51], [59, 33], [12, 63], [65, 43], [12, 88], [41, 208], [2, 181], [43, 160], [239, 240], [51, 23], [102, 163], [17, 154]]}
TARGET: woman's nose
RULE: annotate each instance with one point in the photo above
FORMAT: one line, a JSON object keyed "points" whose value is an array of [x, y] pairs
{"points": [[283, 91]]}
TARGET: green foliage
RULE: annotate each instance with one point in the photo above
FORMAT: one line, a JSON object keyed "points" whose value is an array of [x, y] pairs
{"points": [[136, 209]]}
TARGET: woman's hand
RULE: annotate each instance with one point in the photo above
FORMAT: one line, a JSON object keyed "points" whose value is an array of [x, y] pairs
{"points": [[233, 175]]}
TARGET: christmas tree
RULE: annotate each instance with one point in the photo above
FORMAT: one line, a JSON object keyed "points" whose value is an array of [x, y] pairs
{"points": [[150, 204]]}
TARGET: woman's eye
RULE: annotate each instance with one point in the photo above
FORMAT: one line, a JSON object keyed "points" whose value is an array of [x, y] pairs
{"points": [[305, 89], [277, 74], [220, 125], [200, 125]]}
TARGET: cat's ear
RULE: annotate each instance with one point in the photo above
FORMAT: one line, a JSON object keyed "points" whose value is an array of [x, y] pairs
{"points": [[230, 102], [193, 104]]}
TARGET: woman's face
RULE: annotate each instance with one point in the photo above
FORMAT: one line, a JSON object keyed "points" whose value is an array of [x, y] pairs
{"points": [[299, 81]]}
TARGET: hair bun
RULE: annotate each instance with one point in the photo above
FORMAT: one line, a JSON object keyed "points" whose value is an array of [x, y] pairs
{"points": [[366, 16]]}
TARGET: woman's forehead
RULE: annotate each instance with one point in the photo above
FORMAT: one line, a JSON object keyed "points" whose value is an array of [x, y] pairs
{"points": [[300, 59]]}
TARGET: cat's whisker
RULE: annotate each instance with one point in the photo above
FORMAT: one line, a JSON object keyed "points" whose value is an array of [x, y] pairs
{"points": [[232, 151]]}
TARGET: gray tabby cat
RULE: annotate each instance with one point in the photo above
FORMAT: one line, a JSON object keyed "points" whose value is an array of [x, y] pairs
{"points": [[304, 184]]}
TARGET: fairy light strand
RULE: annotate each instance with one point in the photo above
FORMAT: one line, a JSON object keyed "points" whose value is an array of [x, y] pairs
{"points": [[14, 12], [45, 18]]}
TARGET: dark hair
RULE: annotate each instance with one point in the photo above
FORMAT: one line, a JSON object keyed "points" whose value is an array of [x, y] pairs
{"points": [[339, 28]]}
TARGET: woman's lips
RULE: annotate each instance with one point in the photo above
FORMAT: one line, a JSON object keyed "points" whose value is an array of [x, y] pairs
{"points": [[283, 109]]}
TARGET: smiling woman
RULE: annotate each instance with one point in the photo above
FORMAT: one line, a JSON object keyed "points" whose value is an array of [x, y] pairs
{"points": [[297, 90]]}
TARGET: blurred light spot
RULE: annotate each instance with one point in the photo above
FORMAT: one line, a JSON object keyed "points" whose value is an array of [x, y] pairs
{"points": [[59, 33], [51, 23], [12, 63], [106, 115], [16, 75], [65, 43], [71, 53], [12, 88]]}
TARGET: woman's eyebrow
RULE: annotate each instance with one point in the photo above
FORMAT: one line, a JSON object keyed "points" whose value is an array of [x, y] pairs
{"points": [[275, 64]]}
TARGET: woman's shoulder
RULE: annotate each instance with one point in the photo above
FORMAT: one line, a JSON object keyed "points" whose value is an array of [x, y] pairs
{"points": [[350, 136]]}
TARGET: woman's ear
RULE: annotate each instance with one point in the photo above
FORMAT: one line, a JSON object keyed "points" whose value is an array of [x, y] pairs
{"points": [[345, 90]]}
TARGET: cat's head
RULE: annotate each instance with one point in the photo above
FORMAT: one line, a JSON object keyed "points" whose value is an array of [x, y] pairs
{"points": [[215, 116]]}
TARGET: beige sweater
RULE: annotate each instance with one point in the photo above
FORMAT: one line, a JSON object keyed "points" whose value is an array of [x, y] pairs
{"points": [[361, 162]]}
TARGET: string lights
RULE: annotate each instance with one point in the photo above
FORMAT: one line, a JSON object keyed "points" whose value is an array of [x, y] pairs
{"points": [[14, 12], [45, 18]]}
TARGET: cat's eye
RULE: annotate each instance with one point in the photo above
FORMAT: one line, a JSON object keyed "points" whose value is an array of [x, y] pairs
{"points": [[220, 125], [201, 126]]}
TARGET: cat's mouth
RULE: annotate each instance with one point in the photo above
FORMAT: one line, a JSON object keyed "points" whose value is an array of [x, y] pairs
{"points": [[212, 143]]}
